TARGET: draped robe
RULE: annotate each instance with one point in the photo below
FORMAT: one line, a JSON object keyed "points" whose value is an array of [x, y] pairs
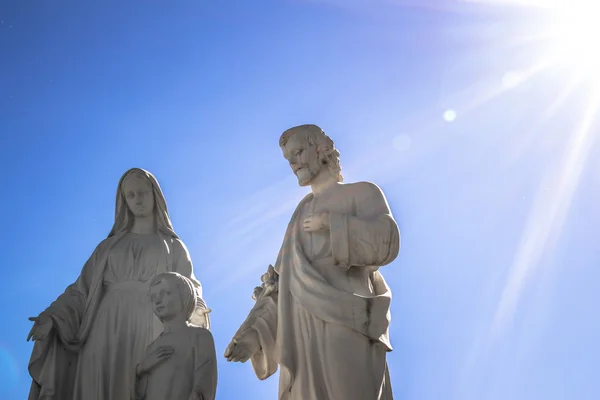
{"points": [[103, 322], [327, 327]]}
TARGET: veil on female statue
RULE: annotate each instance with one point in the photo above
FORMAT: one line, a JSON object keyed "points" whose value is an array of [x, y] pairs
{"points": [[124, 217]]}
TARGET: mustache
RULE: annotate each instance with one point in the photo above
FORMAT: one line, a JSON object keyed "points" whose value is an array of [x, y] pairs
{"points": [[299, 167]]}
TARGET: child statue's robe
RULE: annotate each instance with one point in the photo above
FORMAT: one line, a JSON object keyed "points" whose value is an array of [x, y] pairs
{"points": [[191, 368]]}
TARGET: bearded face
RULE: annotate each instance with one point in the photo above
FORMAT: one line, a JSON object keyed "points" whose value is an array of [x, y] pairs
{"points": [[303, 158]]}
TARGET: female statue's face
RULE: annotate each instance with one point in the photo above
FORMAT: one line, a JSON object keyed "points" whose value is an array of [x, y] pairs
{"points": [[139, 196], [166, 300]]}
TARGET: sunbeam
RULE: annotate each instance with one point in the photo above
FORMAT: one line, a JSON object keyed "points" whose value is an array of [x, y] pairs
{"points": [[546, 218], [542, 230], [523, 76], [572, 29], [528, 138]]}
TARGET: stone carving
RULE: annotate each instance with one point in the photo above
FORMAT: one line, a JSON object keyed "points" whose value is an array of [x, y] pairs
{"points": [[181, 363], [322, 312], [89, 341]]}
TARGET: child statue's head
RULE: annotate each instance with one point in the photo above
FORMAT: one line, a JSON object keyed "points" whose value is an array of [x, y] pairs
{"points": [[172, 294]]}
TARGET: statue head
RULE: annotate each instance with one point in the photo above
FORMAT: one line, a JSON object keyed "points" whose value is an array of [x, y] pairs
{"points": [[172, 295], [138, 196], [310, 152]]}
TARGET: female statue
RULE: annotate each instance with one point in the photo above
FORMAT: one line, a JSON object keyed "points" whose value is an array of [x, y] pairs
{"points": [[89, 341]]}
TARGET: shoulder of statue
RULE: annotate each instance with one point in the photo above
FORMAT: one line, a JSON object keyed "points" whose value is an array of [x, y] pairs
{"points": [[363, 189], [305, 199], [302, 202], [106, 243], [177, 245], [177, 242], [202, 334]]}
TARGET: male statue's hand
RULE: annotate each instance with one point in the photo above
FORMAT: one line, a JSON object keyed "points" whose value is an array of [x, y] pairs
{"points": [[316, 222], [243, 346], [42, 325]]}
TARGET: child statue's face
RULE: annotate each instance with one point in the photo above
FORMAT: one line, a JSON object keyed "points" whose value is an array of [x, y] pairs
{"points": [[166, 300]]}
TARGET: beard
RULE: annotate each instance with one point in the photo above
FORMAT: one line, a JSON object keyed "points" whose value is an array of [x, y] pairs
{"points": [[307, 173]]}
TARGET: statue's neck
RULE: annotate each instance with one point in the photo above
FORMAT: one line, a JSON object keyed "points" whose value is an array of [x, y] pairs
{"points": [[144, 225], [175, 324], [323, 182]]}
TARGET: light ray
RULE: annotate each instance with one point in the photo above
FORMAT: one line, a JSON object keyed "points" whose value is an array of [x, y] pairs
{"points": [[524, 76], [528, 138], [546, 219], [543, 227]]}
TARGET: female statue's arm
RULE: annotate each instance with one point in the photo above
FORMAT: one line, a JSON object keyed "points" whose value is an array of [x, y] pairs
{"points": [[64, 315], [53, 359]]}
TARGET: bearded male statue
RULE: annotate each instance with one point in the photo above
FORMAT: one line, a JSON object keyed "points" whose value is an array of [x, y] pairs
{"points": [[322, 312]]}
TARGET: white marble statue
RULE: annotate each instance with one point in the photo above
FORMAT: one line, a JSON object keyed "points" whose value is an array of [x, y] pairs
{"points": [[89, 341], [322, 313], [181, 364]]}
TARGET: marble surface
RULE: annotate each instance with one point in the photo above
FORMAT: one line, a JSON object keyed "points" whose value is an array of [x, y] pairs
{"points": [[89, 341], [322, 312]]}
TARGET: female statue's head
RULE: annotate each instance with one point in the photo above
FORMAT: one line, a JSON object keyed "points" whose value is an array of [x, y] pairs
{"points": [[139, 196]]}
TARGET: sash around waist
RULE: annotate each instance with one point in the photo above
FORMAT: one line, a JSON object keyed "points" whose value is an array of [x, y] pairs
{"points": [[137, 286]]}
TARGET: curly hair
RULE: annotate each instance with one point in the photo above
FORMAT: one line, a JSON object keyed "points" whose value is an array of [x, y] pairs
{"points": [[326, 151]]}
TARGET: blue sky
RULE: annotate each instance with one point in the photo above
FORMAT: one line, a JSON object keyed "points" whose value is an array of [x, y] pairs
{"points": [[487, 154]]}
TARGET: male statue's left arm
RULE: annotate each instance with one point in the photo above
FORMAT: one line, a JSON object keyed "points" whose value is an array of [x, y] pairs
{"points": [[371, 237], [255, 339]]}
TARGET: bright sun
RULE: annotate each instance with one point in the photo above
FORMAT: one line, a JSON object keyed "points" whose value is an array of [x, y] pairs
{"points": [[576, 30]]}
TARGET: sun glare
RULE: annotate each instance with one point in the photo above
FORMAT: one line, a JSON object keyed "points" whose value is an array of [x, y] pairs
{"points": [[576, 31], [571, 35]]}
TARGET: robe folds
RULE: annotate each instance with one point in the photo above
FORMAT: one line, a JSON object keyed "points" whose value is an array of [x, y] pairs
{"points": [[328, 326], [103, 322]]}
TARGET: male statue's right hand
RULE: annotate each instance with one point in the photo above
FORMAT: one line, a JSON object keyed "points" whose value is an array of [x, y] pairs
{"points": [[42, 325], [243, 346]]}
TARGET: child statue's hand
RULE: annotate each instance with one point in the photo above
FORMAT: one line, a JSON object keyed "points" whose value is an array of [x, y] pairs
{"points": [[157, 356]]}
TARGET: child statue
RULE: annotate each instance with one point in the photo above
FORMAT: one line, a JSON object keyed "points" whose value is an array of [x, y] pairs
{"points": [[181, 363]]}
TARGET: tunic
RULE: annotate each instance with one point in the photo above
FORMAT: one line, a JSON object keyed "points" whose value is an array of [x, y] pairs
{"points": [[191, 368], [125, 322]]}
